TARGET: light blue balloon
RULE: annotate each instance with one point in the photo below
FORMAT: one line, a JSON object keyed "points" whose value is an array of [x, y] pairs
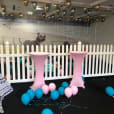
{"points": [[65, 84], [54, 95], [109, 91], [25, 99], [61, 90], [39, 93], [31, 93], [47, 111]]}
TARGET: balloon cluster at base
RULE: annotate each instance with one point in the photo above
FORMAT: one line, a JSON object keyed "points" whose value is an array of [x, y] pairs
{"points": [[63, 90], [27, 97]]}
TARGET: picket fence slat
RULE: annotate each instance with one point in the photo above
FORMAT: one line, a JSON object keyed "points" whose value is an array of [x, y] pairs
{"points": [[86, 61], [13, 62], [54, 61], [58, 65], [110, 60], [93, 60], [46, 63], [66, 66], [7, 62], [63, 61], [28, 63], [23, 63], [71, 63], [33, 68], [2, 61], [50, 62]]}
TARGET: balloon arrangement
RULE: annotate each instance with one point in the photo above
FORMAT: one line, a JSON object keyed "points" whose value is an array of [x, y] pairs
{"points": [[30, 94], [109, 91], [54, 93], [64, 89]]}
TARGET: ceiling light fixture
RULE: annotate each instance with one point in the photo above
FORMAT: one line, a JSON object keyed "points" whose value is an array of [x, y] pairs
{"points": [[72, 10], [11, 14], [21, 15], [3, 13], [30, 13], [43, 15], [54, 5], [64, 12], [97, 6], [38, 8], [57, 10], [3, 8], [26, 2], [46, 7], [68, 3], [34, 4]]}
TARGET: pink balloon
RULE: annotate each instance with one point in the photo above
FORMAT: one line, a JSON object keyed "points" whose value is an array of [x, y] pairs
{"points": [[68, 92], [74, 90], [52, 86], [45, 89]]}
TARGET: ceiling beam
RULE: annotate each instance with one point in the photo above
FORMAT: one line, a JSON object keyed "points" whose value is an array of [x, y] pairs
{"points": [[97, 2], [107, 8], [80, 4], [50, 1]]}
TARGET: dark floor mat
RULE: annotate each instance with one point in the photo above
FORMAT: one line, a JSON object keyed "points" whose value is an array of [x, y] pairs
{"points": [[91, 100]]}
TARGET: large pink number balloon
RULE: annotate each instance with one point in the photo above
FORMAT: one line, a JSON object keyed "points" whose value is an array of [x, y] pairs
{"points": [[77, 77], [39, 60]]}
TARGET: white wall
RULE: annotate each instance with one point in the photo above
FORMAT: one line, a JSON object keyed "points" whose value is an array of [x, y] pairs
{"points": [[26, 30], [103, 32], [100, 32]]}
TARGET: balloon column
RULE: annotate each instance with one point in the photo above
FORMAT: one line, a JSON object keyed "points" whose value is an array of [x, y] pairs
{"points": [[63, 90], [27, 97]]}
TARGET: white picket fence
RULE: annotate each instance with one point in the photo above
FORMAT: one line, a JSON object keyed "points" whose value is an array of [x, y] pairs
{"points": [[17, 66]]}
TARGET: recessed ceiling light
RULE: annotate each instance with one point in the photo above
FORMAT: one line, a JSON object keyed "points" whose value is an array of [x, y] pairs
{"points": [[38, 8], [20, 15], [30, 13], [3, 13], [34, 4], [54, 5], [46, 7]]}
